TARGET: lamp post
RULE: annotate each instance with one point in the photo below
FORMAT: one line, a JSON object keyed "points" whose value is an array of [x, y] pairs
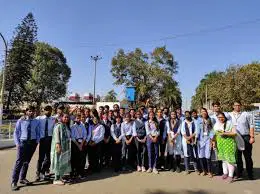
{"points": [[3, 81], [95, 59]]}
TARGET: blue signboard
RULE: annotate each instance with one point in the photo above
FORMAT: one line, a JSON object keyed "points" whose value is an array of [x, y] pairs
{"points": [[130, 93]]}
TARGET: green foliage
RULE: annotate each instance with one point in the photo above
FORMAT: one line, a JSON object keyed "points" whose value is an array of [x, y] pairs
{"points": [[49, 75], [20, 59], [111, 96], [236, 83], [151, 74]]}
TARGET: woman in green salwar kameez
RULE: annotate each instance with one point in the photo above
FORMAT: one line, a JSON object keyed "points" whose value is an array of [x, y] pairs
{"points": [[226, 146], [61, 150]]}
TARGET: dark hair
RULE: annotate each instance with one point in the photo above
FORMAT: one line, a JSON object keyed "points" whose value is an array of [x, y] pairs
{"points": [[118, 117], [106, 106], [193, 110], [216, 103], [127, 115], [223, 114], [122, 108], [111, 111], [31, 108], [61, 107], [101, 107], [187, 112], [48, 108], [151, 106], [94, 112], [237, 101], [116, 105]]}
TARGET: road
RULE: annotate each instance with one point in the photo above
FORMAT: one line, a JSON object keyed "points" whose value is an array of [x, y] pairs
{"points": [[108, 182]]}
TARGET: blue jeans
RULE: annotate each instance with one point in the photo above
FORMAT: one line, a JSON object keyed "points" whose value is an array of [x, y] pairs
{"points": [[153, 152]]}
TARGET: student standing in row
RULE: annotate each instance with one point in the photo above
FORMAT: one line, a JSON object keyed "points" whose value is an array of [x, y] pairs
{"points": [[205, 136], [61, 150], [129, 151], [162, 138], [106, 147], [26, 138], [152, 133], [174, 146], [95, 144], [243, 123], [140, 141], [47, 123], [226, 146], [78, 152], [189, 142], [117, 136]]}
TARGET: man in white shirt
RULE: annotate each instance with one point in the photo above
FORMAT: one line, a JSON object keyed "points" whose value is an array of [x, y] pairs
{"points": [[243, 122]]}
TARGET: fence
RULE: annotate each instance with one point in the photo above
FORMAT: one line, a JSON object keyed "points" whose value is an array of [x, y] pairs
{"points": [[7, 129]]}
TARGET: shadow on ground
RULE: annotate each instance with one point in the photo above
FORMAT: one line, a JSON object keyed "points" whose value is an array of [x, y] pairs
{"points": [[182, 192]]}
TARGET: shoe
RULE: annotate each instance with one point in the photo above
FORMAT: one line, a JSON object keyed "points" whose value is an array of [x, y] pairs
{"points": [[187, 172], [25, 182], [251, 177], [224, 176], [210, 175], [149, 170], [14, 187], [155, 171], [59, 182], [81, 177], [230, 180], [198, 172], [143, 169], [178, 170], [139, 169], [203, 173]]}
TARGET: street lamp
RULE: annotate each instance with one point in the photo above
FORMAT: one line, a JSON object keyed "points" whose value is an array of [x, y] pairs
{"points": [[3, 81], [95, 59]]}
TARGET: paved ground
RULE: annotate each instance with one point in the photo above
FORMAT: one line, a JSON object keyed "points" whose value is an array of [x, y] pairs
{"points": [[133, 183]]}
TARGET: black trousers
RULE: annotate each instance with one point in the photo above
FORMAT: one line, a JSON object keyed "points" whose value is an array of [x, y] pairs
{"points": [[78, 160], [94, 153], [248, 157], [116, 156], [130, 151], [44, 160], [140, 152], [106, 154], [162, 159], [206, 165]]}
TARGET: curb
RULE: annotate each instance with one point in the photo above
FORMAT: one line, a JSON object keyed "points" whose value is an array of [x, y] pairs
{"points": [[7, 147]]}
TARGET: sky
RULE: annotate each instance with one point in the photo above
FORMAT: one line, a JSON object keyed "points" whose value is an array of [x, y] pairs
{"points": [[82, 29]]}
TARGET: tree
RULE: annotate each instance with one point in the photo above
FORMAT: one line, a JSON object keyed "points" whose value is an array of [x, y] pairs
{"points": [[149, 73], [20, 59], [49, 76], [236, 83], [111, 96]]}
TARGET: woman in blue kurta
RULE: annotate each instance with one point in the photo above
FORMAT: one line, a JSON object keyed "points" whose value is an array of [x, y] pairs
{"points": [[205, 136]]}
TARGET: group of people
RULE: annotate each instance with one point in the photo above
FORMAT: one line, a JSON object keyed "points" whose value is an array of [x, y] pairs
{"points": [[73, 142]]}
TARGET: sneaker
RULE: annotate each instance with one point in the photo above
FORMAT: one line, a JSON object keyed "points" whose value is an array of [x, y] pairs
{"points": [[224, 176], [59, 182], [143, 169], [25, 182], [155, 171], [14, 187], [204, 173], [230, 180], [149, 170], [139, 169], [178, 170]]}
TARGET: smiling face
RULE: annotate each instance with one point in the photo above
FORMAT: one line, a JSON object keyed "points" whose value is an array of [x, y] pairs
{"points": [[173, 115]]}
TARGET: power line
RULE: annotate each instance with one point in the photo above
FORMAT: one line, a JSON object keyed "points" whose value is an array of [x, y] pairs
{"points": [[188, 34]]}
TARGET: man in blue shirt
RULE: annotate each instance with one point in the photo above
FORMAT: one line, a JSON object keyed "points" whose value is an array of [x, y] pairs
{"points": [[26, 137], [47, 123]]}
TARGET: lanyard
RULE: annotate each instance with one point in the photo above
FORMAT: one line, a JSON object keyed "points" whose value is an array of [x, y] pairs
{"points": [[236, 116], [79, 131]]}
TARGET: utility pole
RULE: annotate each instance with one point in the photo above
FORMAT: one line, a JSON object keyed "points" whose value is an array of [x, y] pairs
{"points": [[206, 96], [3, 81], [95, 59]]}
